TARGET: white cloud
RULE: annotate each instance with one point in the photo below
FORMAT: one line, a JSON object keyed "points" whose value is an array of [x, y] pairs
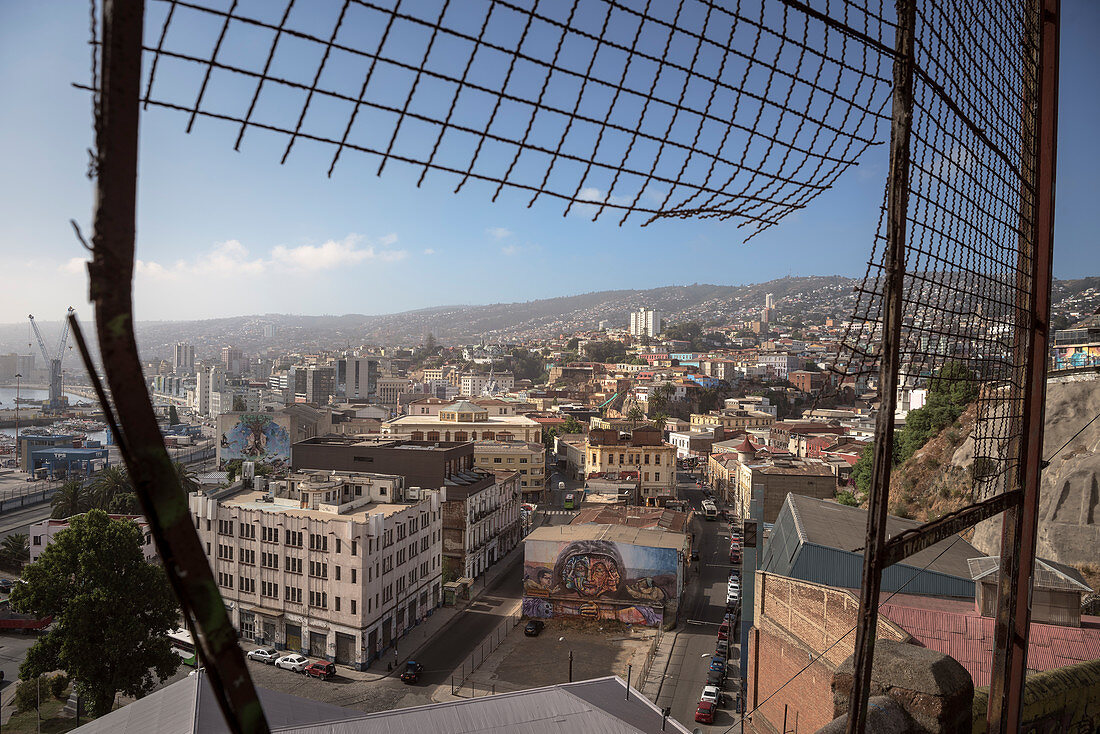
{"points": [[76, 265], [429, 251], [388, 239], [231, 258], [499, 233], [590, 193], [511, 249]]}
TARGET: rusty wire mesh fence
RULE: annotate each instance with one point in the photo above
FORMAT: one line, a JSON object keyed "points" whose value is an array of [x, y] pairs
{"points": [[654, 109], [967, 281]]}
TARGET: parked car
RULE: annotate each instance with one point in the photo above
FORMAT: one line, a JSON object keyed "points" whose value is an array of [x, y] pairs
{"points": [[704, 714], [717, 657], [6, 585], [412, 672], [718, 664], [533, 628], [265, 655], [715, 677], [723, 634], [695, 555], [321, 670], [711, 694], [297, 663]]}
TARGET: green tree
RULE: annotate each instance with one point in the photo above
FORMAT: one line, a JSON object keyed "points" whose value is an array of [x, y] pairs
{"points": [[861, 472], [111, 609], [572, 344], [660, 420], [16, 548], [173, 416], [635, 414], [71, 498], [608, 351], [108, 483]]}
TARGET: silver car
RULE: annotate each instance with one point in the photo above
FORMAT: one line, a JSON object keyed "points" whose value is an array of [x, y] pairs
{"points": [[266, 655]]}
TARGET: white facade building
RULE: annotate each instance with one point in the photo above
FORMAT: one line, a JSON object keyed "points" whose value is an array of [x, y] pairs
{"points": [[334, 565], [645, 322]]}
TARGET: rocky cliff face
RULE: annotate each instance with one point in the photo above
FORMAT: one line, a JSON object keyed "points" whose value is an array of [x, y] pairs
{"points": [[1069, 498]]}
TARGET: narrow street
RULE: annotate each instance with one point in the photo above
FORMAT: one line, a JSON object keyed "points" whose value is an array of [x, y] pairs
{"points": [[704, 606]]}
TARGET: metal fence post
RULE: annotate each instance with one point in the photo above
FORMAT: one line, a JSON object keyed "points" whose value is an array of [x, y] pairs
{"points": [[878, 506]]}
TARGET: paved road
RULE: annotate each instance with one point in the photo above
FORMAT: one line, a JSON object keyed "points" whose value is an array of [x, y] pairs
{"points": [[556, 496], [448, 651], [703, 611]]}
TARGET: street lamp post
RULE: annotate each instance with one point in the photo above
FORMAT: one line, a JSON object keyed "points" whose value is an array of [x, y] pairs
{"points": [[18, 377]]}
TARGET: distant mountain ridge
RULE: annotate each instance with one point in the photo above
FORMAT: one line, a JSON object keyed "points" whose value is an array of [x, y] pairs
{"points": [[812, 296]]}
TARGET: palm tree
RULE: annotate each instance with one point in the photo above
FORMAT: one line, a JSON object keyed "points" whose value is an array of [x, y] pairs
{"points": [[15, 548], [107, 483], [659, 421], [635, 414], [71, 498], [188, 482]]}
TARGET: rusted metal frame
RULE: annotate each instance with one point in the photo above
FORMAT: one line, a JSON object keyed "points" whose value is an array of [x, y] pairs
{"points": [[894, 269], [1018, 534], [910, 542], [111, 271]]}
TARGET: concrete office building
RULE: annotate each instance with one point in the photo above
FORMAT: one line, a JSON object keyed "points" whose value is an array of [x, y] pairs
{"points": [[334, 565], [184, 359]]}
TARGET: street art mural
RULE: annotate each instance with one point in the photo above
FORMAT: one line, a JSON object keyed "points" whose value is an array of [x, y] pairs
{"points": [[599, 579], [255, 437]]}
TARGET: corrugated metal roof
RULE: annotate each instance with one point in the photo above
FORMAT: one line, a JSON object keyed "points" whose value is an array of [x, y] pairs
{"points": [[1048, 574], [954, 627]]}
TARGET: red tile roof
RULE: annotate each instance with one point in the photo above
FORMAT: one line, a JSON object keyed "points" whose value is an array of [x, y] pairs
{"points": [[954, 627]]}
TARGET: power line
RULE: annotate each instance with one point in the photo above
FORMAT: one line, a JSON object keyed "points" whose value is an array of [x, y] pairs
{"points": [[1067, 443], [839, 639]]}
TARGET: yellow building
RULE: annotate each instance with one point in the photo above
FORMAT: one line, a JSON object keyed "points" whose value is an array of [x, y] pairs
{"points": [[641, 452], [527, 458], [464, 421], [733, 420]]}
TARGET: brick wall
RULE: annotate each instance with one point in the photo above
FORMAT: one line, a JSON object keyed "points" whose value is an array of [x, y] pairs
{"points": [[795, 621]]}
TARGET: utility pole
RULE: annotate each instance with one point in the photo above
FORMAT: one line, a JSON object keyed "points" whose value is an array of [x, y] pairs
{"points": [[570, 666], [18, 379]]}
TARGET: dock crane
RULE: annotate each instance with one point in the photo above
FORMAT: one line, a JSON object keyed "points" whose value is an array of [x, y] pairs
{"points": [[56, 402]]}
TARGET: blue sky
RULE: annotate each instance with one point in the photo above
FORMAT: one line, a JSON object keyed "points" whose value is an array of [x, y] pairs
{"points": [[227, 233]]}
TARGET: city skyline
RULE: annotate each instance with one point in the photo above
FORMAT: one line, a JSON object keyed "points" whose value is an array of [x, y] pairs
{"points": [[236, 233]]}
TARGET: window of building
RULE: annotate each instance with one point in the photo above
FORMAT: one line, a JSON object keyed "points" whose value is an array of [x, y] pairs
{"points": [[647, 476], [248, 531], [318, 542], [225, 552], [269, 560], [269, 535], [353, 606], [292, 537], [646, 459], [318, 599], [293, 565], [318, 570], [246, 585], [337, 573], [497, 460], [269, 589], [657, 476], [248, 556], [353, 575], [657, 459], [522, 460], [292, 594], [225, 579], [337, 603], [225, 527], [355, 547]]}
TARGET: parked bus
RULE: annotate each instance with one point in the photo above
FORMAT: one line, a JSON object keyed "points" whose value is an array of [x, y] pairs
{"points": [[184, 646], [569, 503], [710, 510]]}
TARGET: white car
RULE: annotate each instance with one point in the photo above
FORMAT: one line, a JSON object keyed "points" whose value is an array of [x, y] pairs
{"points": [[297, 663], [266, 655], [710, 693]]}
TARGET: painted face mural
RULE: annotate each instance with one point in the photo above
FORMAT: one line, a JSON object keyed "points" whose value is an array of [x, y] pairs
{"points": [[590, 568], [591, 575]]}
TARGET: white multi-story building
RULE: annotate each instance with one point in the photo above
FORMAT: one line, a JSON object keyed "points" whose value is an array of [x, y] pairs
{"points": [[645, 322], [335, 565], [476, 385], [481, 522], [41, 534]]}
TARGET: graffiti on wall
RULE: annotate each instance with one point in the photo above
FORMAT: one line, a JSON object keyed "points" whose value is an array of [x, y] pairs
{"points": [[255, 437], [598, 579]]}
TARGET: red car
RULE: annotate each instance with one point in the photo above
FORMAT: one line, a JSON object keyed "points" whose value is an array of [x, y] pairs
{"points": [[321, 670], [704, 714]]}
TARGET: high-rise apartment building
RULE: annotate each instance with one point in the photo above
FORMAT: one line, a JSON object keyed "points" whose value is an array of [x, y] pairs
{"points": [[645, 322], [358, 377], [184, 359], [314, 384]]}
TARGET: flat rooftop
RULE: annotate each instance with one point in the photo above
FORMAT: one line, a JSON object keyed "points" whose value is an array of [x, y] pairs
{"points": [[615, 533], [380, 442], [250, 500]]}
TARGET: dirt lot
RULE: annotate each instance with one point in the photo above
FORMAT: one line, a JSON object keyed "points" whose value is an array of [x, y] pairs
{"points": [[599, 649]]}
